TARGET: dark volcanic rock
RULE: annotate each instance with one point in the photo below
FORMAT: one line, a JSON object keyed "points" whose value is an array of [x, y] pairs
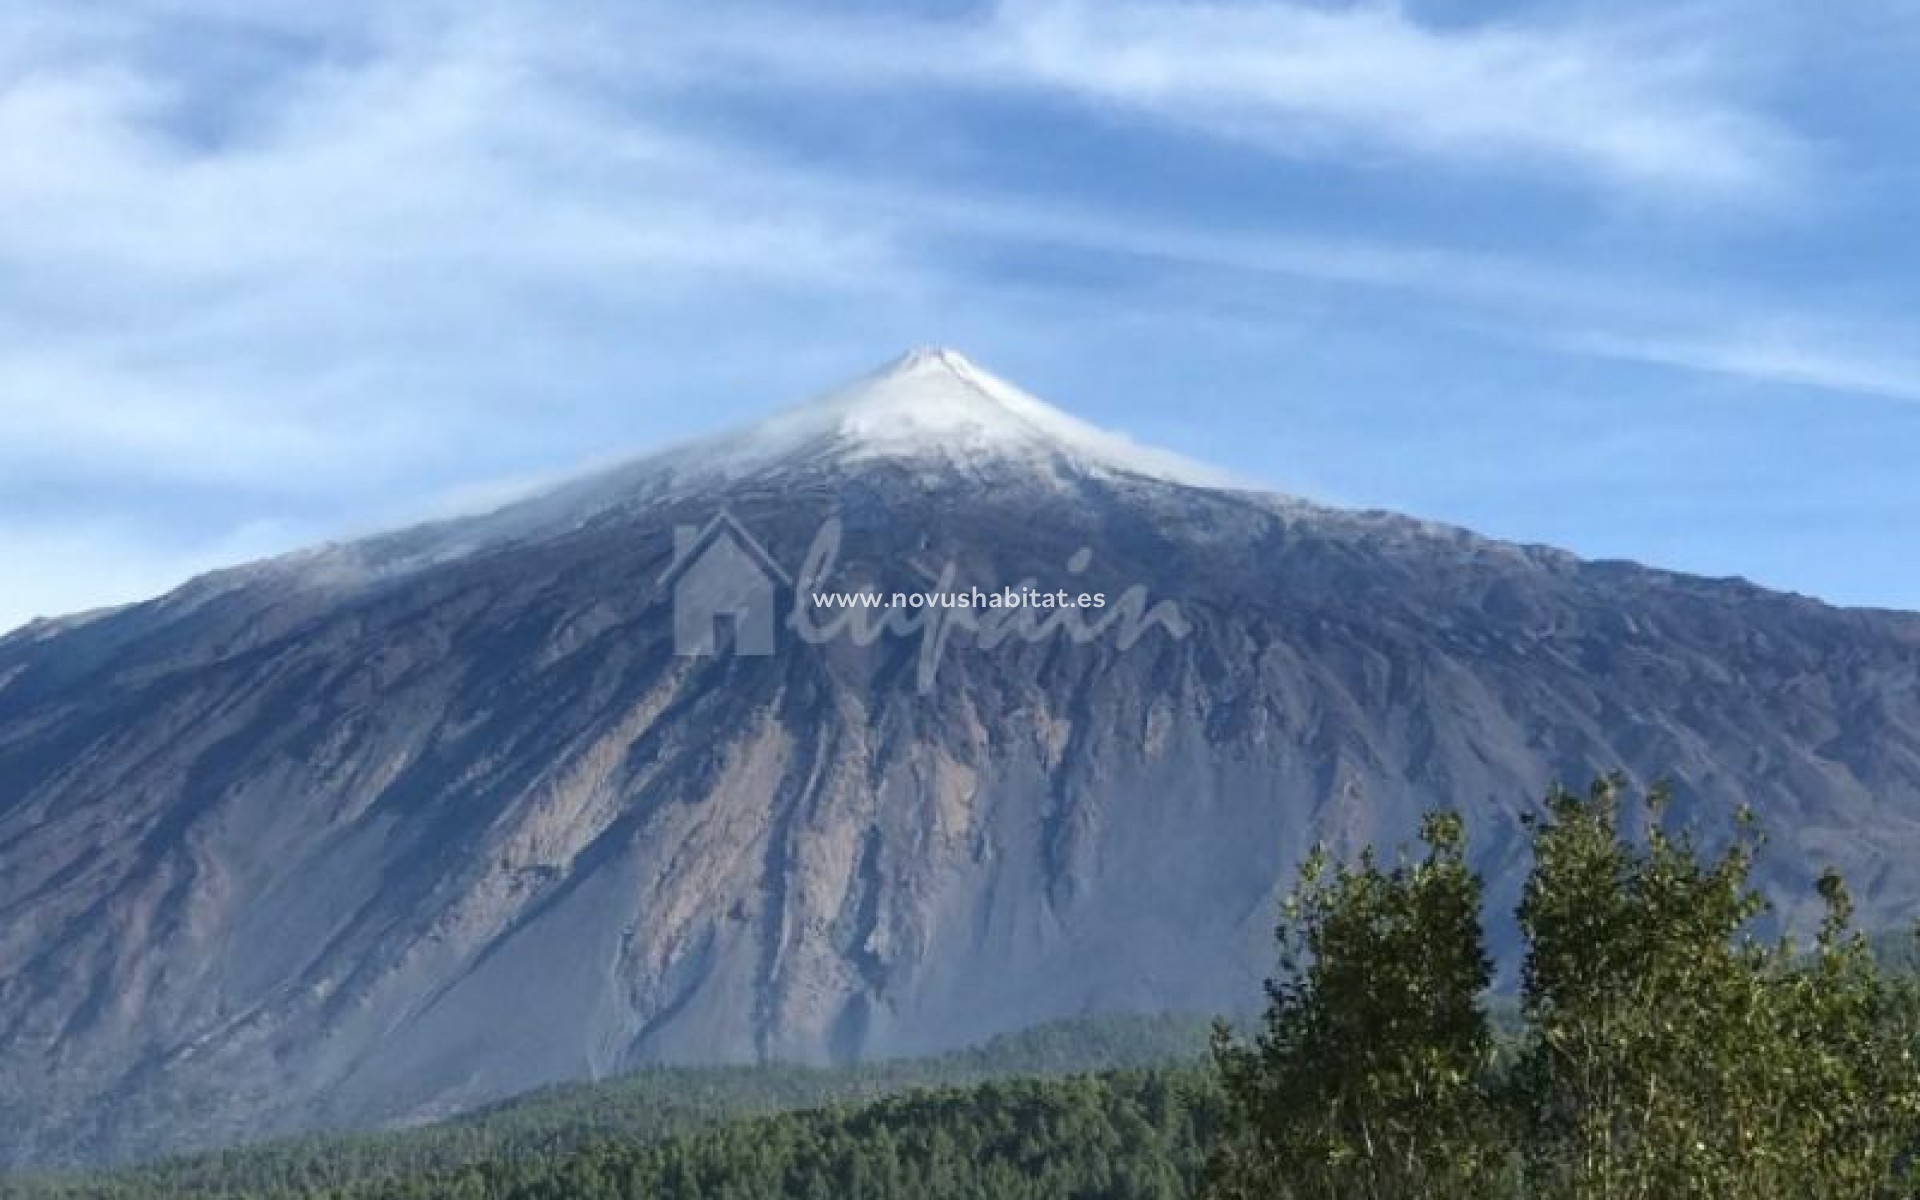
{"points": [[382, 830]]}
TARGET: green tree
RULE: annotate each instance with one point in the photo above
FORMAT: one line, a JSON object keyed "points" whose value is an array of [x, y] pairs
{"points": [[1831, 1110], [1670, 1055], [1637, 998], [1366, 1079], [1663, 1051]]}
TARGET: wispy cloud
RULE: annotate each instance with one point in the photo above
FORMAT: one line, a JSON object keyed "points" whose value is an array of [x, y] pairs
{"points": [[1624, 106], [1589, 310], [165, 293], [1608, 103], [313, 266], [1781, 354], [320, 263]]}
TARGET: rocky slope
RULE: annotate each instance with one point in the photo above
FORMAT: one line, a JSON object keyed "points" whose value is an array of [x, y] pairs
{"points": [[378, 831]]}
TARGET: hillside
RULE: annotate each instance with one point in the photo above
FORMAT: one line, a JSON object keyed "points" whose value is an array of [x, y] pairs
{"points": [[1128, 1136], [542, 1128], [381, 832]]}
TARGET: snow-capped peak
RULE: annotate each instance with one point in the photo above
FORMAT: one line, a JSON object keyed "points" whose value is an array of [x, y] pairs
{"points": [[931, 409], [936, 405]]}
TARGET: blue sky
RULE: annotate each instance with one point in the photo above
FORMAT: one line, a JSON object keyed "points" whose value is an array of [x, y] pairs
{"points": [[1637, 279]]}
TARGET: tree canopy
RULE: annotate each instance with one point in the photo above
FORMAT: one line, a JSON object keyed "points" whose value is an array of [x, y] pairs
{"points": [[1664, 1051]]}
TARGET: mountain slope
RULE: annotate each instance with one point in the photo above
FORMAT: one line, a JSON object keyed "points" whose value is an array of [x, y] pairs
{"points": [[383, 830]]}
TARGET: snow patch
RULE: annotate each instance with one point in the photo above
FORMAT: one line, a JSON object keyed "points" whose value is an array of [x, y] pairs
{"points": [[931, 409], [936, 406]]}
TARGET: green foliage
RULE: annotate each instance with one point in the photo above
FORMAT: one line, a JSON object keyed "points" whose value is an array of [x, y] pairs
{"points": [[646, 1106], [1365, 1080], [1673, 1055], [1837, 1086], [1640, 996], [1662, 1051], [1124, 1136]]}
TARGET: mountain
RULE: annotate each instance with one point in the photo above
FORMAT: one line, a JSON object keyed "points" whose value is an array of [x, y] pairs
{"points": [[380, 831]]}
